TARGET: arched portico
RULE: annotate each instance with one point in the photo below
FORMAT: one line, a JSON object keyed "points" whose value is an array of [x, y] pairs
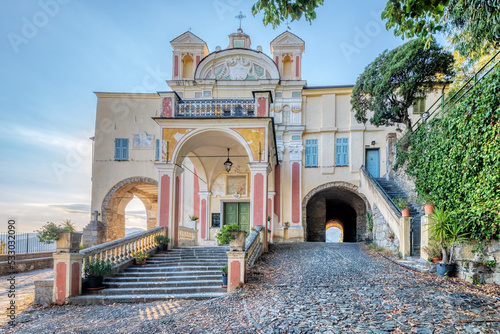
{"points": [[116, 200], [336, 203], [206, 148]]}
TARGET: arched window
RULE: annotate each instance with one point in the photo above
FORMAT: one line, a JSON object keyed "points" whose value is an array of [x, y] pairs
{"points": [[287, 66], [187, 67], [286, 115]]}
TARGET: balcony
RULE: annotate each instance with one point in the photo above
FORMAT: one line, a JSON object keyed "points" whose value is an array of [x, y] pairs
{"points": [[216, 108]]}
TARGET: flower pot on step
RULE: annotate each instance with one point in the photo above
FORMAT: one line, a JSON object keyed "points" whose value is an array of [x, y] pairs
{"points": [[237, 244], [429, 209], [405, 212], [224, 281]]}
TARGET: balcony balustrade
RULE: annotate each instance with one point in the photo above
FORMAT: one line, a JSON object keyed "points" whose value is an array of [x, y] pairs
{"points": [[216, 108]]}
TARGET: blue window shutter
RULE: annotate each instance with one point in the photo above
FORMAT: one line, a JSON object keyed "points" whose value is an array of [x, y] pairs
{"points": [[157, 151], [338, 152], [125, 149], [118, 151], [311, 153], [345, 143]]}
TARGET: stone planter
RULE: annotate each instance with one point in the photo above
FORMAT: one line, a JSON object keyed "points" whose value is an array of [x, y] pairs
{"points": [[192, 224], [69, 242], [238, 244]]}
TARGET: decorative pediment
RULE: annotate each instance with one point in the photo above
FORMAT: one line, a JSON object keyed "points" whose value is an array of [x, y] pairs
{"points": [[237, 64], [188, 39], [287, 39]]}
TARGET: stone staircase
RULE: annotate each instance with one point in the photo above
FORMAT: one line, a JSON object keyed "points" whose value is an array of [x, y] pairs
{"points": [[181, 273], [392, 189]]}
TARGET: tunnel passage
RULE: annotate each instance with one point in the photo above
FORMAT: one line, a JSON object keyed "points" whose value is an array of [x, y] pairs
{"points": [[338, 204]]}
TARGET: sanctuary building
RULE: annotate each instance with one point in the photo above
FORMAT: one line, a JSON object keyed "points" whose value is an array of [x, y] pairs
{"points": [[239, 138]]}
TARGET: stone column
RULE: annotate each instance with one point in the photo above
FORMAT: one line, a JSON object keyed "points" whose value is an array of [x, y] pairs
{"points": [[237, 270], [204, 214], [424, 236], [259, 185], [404, 235], [167, 200], [67, 276]]}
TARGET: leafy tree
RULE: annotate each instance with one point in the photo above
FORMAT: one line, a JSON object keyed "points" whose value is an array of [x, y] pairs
{"points": [[395, 79], [456, 161], [279, 11], [472, 24]]}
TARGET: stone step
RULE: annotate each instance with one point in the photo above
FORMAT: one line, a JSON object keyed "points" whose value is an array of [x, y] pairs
{"points": [[163, 269], [158, 290], [170, 278], [166, 263], [170, 274], [164, 284], [166, 259], [138, 298]]}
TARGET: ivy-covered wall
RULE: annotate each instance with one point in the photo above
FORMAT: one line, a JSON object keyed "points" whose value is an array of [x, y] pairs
{"points": [[455, 159]]}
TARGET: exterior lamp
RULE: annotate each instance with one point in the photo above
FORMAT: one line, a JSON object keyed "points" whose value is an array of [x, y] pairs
{"points": [[228, 164]]}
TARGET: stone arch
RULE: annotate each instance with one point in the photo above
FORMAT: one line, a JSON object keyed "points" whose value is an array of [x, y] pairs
{"points": [[335, 200], [116, 200], [336, 224]]}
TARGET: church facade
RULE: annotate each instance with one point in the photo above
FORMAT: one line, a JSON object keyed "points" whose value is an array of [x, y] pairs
{"points": [[239, 138]]}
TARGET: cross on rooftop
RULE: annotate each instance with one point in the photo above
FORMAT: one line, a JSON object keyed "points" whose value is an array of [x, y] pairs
{"points": [[240, 17], [95, 215]]}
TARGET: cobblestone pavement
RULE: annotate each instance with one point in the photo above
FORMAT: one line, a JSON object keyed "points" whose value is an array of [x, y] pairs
{"points": [[299, 288]]}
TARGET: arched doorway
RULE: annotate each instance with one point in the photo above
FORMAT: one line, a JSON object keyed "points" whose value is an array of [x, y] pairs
{"points": [[117, 199], [336, 204]]}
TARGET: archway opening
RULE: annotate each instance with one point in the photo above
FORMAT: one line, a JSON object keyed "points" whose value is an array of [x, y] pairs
{"points": [[187, 67], [335, 207], [135, 217], [334, 231], [117, 200]]}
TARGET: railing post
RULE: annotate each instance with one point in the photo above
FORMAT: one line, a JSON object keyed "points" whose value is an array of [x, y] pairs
{"points": [[404, 236], [67, 276], [237, 269]]}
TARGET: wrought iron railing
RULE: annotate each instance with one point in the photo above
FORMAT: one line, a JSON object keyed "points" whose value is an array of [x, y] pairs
{"points": [[25, 243], [216, 108], [122, 250]]}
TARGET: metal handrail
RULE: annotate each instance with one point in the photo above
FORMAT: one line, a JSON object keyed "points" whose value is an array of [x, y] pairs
{"points": [[381, 190]]}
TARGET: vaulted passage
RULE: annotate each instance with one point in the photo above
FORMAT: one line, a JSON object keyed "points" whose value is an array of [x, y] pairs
{"points": [[335, 207]]}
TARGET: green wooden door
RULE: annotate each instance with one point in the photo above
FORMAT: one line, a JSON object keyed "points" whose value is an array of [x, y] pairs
{"points": [[237, 213]]}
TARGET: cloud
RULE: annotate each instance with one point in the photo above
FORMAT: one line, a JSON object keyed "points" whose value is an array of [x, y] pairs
{"points": [[72, 208]]}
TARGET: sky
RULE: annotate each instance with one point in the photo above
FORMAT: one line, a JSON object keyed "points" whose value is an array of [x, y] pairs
{"points": [[54, 54]]}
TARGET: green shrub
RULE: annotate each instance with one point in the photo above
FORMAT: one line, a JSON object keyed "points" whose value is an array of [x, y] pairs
{"points": [[50, 231], [225, 235], [224, 269], [98, 268], [140, 256], [162, 239]]}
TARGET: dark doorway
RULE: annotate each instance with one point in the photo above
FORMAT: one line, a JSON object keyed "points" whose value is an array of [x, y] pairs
{"points": [[339, 210]]}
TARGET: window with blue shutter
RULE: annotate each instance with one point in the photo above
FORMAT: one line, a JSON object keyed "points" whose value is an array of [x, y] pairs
{"points": [[311, 153], [121, 148], [342, 150], [157, 151]]}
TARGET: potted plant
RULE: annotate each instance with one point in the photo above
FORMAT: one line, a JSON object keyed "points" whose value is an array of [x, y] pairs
{"points": [[448, 233], [402, 204], [231, 234], [64, 234], [224, 269], [426, 201], [140, 257], [433, 251], [192, 222], [95, 272], [162, 241]]}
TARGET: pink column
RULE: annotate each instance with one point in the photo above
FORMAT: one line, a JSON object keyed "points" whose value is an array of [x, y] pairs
{"points": [[296, 192], [177, 209], [203, 220], [196, 190], [297, 68], [277, 187], [258, 200], [165, 201]]}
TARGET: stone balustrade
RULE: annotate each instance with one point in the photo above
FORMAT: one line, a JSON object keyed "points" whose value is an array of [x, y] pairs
{"points": [[187, 236], [122, 250], [253, 246]]}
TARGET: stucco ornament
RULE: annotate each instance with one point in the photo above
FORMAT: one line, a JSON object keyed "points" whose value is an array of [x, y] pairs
{"points": [[143, 139], [240, 68]]}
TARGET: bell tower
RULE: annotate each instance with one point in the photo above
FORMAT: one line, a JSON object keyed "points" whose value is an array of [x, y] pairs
{"points": [[287, 50], [188, 51]]}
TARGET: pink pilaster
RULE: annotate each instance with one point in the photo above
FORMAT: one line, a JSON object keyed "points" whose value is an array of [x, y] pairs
{"points": [[176, 66], [67, 276], [165, 201], [258, 200], [237, 270], [177, 206], [296, 193], [277, 187], [203, 220], [167, 107], [297, 67], [196, 190]]}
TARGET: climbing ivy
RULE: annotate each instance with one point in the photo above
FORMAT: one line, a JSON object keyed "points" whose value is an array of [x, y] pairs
{"points": [[455, 159]]}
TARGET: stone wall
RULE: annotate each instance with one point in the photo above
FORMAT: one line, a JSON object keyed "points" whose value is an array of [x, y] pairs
{"points": [[382, 232], [472, 264]]}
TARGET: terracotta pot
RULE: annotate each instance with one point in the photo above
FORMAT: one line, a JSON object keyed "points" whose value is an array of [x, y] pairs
{"points": [[429, 209], [435, 259], [405, 212], [140, 263]]}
